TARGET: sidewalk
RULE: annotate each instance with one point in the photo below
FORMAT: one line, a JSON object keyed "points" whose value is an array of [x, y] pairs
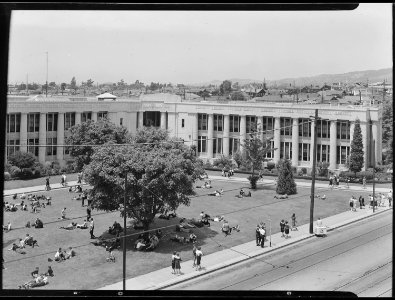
{"points": [[160, 279], [39, 188]]}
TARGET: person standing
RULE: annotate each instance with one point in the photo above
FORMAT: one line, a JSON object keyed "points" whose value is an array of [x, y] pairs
{"points": [[262, 233], [177, 263], [199, 255], [79, 178], [62, 180], [293, 218], [173, 263], [194, 255], [286, 229], [364, 182], [91, 228], [63, 213], [88, 212], [282, 227], [258, 235], [47, 186]]}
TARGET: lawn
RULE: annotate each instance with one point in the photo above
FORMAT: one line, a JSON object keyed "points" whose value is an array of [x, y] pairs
{"points": [[89, 269]]}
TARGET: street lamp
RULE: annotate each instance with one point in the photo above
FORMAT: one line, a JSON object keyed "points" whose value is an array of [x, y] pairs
{"points": [[313, 171], [124, 234]]}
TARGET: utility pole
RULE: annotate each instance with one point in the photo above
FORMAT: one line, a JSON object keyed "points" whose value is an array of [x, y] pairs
{"points": [[124, 234], [313, 171], [46, 81]]}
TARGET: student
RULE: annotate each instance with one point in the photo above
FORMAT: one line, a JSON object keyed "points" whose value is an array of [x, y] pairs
{"points": [[282, 228], [83, 225], [194, 255], [91, 228], [173, 262], [199, 255], [47, 186], [177, 263], [286, 229], [258, 235], [35, 272], [262, 233], [226, 228], [293, 218], [59, 255], [49, 272], [63, 213]]}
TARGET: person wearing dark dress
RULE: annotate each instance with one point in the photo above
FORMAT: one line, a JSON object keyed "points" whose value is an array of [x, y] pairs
{"points": [[282, 227]]}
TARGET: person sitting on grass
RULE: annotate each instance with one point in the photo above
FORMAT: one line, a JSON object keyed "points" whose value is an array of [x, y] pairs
{"points": [[15, 196], [115, 228], [140, 245], [285, 196], [59, 255], [71, 226], [167, 215], [110, 257], [30, 241], [16, 248], [83, 225], [241, 193], [69, 253], [38, 223], [226, 228], [7, 227], [23, 196], [49, 272], [248, 194]]}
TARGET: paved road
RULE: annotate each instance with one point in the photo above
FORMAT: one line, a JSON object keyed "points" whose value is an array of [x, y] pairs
{"points": [[341, 261]]}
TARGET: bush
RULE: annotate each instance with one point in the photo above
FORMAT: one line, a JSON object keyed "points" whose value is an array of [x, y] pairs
{"points": [[303, 170], [285, 183], [367, 174], [207, 164], [270, 165], [7, 176], [7, 167], [22, 159], [15, 172], [253, 180], [26, 173], [294, 170]]}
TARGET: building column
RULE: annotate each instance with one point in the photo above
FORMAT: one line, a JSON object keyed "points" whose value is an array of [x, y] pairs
{"points": [[225, 135], [163, 120], [141, 119], [23, 133], [195, 130], [77, 118], [312, 158], [277, 136], [172, 124], [94, 116], [365, 140], [295, 142], [42, 137], [332, 145], [210, 135], [243, 132], [352, 127], [60, 137]]}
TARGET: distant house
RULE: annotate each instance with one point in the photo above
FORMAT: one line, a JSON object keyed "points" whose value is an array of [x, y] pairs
{"points": [[254, 92]]}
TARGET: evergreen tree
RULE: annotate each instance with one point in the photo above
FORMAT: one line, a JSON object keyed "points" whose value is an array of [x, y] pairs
{"points": [[356, 155], [285, 183]]}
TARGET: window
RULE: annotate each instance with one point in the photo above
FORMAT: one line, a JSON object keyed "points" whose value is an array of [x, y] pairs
{"points": [[12, 147], [51, 146], [267, 125], [305, 127], [285, 150], [151, 118], [33, 122], [286, 126], [217, 145], [342, 154], [102, 115], [323, 129], [251, 124], [182, 123], [202, 121], [304, 152], [234, 145], [343, 130], [69, 120], [234, 123], [202, 143], [270, 154], [218, 122], [13, 123], [52, 122], [32, 146], [322, 153], [85, 116]]}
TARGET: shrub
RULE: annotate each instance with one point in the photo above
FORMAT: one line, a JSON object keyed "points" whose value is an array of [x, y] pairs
{"points": [[270, 165], [7, 167], [285, 183], [7, 176], [26, 173], [303, 170], [253, 180], [22, 159], [367, 174], [15, 172], [294, 170], [207, 165]]}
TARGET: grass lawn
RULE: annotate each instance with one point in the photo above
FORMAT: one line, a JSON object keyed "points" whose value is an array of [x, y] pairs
{"points": [[89, 269]]}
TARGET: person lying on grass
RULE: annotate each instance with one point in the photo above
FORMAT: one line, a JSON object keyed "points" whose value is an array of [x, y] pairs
{"points": [[36, 282], [83, 225], [285, 196], [17, 249], [71, 226]]}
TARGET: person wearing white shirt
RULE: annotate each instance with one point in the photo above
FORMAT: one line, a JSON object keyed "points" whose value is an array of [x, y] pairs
{"points": [[199, 255]]}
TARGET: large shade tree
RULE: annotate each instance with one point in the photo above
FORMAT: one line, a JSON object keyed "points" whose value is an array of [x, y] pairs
{"points": [[356, 160], [83, 137], [160, 174], [285, 183]]}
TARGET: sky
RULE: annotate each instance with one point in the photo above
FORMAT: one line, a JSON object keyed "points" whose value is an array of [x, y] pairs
{"points": [[196, 46]]}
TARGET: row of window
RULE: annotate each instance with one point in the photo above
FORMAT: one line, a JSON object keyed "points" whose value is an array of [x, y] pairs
{"points": [[13, 121], [323, 126]]}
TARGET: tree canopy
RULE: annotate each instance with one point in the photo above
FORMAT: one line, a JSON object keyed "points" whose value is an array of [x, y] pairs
{"points": [[22, 159], [356, 156], [160, 176], [93, 133], [285, 183]]}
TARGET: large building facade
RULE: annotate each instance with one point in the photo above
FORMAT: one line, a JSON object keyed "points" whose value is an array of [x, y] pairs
{"points": [[215, 128]]}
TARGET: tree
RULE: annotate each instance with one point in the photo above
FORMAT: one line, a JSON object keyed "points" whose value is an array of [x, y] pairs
{"points": [[92, 133], [225, 87], [63, 87], [73, 85], [238, 96], [356, 156], [22, 159], [160, 176], [255, 152], [285, 183]]}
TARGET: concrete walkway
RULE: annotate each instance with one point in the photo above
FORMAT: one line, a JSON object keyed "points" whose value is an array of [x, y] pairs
{"points": [[228, 256]]}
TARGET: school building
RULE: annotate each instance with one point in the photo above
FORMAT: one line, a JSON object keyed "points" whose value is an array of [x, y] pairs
{"points": [[215, 127]]}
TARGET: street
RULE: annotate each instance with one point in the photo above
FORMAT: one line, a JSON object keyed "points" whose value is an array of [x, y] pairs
{"points": [[355, 258]]}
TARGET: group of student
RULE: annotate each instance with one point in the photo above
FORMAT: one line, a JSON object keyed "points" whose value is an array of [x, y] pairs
{"points": [[227, 173], [38, 279], [62, 255], [28, 240]]}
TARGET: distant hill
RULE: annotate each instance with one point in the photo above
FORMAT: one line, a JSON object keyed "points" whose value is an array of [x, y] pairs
{"points": [[350, 77]]}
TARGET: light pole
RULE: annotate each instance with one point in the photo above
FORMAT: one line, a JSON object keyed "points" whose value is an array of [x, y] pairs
{"points": [[270, 232], [124, 234], [313, 171]]}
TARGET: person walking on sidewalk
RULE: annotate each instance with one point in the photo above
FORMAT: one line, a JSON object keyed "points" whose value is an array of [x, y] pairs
{"points": [[47, 186], [173, 263], [282, 227], [293, 218], [91, 228], [177, 263], [262, 233], [364, 182], [199, 255], [286, 229], [258, 235], [194, 255]]}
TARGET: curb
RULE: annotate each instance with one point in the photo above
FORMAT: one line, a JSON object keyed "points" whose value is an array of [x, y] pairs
{"points": [[237, 260]]}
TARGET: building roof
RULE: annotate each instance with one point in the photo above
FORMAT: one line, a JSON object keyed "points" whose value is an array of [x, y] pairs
{"points": [[106, 96]]}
